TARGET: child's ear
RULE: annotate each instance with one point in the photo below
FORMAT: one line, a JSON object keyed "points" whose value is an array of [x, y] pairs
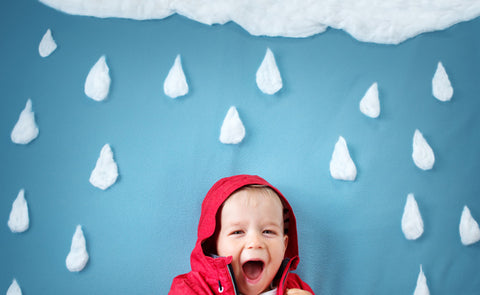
{"points": [[285, 240]]}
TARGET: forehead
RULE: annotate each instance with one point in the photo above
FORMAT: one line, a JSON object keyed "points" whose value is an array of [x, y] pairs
{"points": [[254, 198]]}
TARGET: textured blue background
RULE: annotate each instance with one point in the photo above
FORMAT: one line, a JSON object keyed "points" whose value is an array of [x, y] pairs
{"points": [[140, 231]]}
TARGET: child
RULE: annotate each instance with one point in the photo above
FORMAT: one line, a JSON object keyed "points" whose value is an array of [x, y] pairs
{"points": [[246, 242]]}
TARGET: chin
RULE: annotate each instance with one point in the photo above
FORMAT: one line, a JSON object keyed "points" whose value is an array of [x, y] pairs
{"points": [[254, 290]]}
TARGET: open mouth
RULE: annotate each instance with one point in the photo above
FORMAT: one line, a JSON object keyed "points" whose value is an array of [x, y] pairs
{"points": [[253, 270]]}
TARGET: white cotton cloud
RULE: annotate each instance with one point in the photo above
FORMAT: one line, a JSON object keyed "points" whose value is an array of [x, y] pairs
{"points": [[341, 165], [77, 258], [26, 129], [18, 220], [232, 131], [175, 84], [441, 86], [469, 230], [97, 84], [47, 44], [422, 287], [268, 76], [389, 22], [412, 223], [14, 288], [370, 103], [105, 172], [422, 155]]}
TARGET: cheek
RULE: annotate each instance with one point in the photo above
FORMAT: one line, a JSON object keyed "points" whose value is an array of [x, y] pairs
{"points": [[221, 248], [285, 243], [280, 248], [225, 248]]}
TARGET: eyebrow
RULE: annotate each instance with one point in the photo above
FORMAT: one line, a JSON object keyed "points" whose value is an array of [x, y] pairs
{"points": [[233, 224], [273, 224], [239, 224]]}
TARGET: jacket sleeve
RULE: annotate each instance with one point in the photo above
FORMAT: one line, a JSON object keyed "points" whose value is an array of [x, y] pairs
{"points": [[188, 284], [294, 281], [180, 286]]}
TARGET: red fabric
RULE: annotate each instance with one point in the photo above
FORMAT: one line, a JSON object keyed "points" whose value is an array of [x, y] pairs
{"points": [[208, 273]]}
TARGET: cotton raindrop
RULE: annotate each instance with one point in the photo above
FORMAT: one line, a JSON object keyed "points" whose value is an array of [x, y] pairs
{"points": [[232, 131], [47, 44], [77, 258], [370, 104], [269, 80], [175, 84], [14, 288], [422, 155], [341, 165], [441, 86], [422, 287], [97, 84], [19, 221], [412, 223], [469, 230], [26, 129], [105, 172]]}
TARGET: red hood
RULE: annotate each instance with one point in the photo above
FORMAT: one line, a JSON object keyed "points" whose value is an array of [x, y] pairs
{"points": [[215, 197]]}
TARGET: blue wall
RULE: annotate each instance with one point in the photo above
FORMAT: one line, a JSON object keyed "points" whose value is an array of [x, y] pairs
{"points": [[140, 231]]}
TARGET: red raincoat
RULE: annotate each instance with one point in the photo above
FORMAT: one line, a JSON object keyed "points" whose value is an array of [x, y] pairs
{"points": [[214, 275]]}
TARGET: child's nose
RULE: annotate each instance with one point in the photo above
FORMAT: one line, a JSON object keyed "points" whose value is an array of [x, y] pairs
{"points": [[254, 241]]}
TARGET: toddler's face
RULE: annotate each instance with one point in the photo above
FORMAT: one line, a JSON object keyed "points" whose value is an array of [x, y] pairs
{"points": [[252, 233]]}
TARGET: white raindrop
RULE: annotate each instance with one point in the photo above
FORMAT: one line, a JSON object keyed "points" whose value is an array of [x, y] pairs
{"points": [[422, 155], [175, 84], [14, 288], [105, 172], [77, 258], [441, 86], [341, 165], [422, 287], [47, 44], [232, 131], [26, 129], [370, 104], [19, 221], [469, 230], [269, 80], [412, 223], [97, 84]]}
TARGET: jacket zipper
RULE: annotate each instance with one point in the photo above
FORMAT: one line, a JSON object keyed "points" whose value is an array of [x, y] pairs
{"points": [[286, 271], [230, 271], [284, 280]]}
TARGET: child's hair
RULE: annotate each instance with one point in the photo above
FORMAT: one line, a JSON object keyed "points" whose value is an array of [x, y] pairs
{"points": [[210, 247]]}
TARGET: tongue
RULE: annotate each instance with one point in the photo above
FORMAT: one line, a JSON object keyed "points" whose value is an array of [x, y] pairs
{"points": [[253, 269]]}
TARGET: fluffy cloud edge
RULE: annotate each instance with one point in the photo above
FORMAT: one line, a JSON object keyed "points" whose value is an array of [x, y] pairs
{"points": [[385, 22]]}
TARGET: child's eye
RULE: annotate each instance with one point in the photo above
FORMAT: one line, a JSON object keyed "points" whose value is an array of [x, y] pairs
{"points": [[269, 232], [236, 232]]}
